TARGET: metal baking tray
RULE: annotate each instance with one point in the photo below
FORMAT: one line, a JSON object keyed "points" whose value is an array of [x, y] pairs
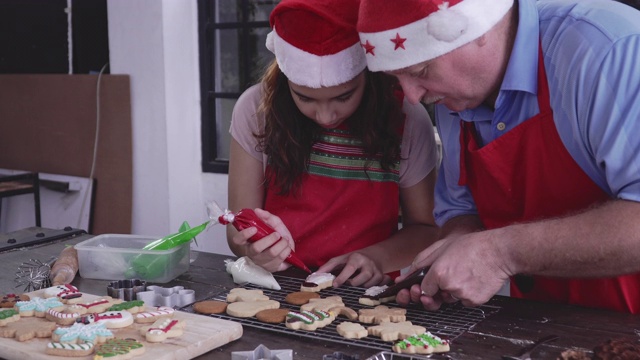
{"points": [[448, 323]]}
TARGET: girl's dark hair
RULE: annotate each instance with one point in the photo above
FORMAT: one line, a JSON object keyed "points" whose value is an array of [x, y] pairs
{"points": [[289, 135]]}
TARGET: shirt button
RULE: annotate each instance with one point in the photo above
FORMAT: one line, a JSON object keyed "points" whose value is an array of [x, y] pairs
{"points": [[501, 126]]}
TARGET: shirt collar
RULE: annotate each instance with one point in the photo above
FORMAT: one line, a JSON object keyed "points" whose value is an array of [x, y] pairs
{"points": [[522, 70]]}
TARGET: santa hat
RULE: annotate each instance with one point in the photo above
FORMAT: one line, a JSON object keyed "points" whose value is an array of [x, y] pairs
{"points": [[398, 34], [316, 42]]}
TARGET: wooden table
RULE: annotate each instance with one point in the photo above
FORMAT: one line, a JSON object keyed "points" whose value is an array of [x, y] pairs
{"points": [[515, 325]]}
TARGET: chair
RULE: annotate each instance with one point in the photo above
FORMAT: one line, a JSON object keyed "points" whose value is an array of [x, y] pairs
{"points": [[11, 185]]}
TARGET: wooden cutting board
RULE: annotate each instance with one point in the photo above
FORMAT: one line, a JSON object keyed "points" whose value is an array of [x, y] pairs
{"points": [[202, 334]]}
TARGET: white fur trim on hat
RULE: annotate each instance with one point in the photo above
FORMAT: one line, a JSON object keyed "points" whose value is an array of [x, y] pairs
{"points": [[314, 71], [434, 35]]}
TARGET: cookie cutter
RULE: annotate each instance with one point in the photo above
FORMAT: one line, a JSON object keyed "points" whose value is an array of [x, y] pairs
{"points": [[126, 289], [262, 352], [175, 296]]}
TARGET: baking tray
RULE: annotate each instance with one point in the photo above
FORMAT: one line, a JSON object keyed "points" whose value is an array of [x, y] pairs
{"points": [[451, 321]]}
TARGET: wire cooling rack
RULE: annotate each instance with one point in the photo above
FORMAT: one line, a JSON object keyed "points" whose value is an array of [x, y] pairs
{"points": [[451, 321]]}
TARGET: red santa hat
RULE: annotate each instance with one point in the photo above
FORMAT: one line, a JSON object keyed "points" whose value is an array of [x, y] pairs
{"points": [[398, 34], [316, 42]]}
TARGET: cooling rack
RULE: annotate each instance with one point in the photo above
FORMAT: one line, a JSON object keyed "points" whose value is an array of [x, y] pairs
{"points": [[451, 321]]}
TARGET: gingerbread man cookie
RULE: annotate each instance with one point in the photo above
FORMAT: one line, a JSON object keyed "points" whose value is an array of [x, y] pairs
{"points": [[425, 343], [382, 313], [79, 333], [308, 320], [163, 329], [240, 294], [10, 300], [322, 304], [68, 293], [388, 331], [117, 349]]}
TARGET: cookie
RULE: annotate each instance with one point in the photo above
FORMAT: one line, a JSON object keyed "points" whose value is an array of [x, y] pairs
{"points": [[371, 296], [69, 350], [347, 312], [152, 315], [80, 333], [162, 329], [351, 330], [425, 343], [95, 306], [8, 316], [322, 304], [300, 297], [210, 307], [272, 316], [380, 314], [240, 294], [27, 329], [317, 281], [245, 309], [134, 306], [38, 306], [10, 300], [112, 319], [123, 348], [61, 318], [308, 320], [68, 293], [388, 331]]}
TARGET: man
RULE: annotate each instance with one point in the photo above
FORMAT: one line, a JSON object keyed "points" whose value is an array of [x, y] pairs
{"points": [[538, 110]]}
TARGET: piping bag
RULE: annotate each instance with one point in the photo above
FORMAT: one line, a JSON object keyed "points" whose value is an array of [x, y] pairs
{"points": [[149, 266], [247, 218]]}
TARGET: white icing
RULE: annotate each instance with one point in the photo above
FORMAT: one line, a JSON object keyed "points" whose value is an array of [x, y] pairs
{"points": [[60, 290], [162, 310], [244, 270], [108, 317], [67, 346], [375, 290], [319, 278], [87, 333]]}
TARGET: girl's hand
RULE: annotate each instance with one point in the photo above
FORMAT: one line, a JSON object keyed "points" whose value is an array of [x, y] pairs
{"points": [[367, 272]]}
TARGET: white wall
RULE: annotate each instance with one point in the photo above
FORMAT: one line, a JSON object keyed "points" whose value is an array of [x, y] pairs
{"points": [[155, 42]]}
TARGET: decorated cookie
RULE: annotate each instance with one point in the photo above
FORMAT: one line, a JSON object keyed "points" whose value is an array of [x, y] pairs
{"points": [[112, 319], [134, 306], [300, 297], [240, 294], [10, 300], [425, 343], [79, 333], [69, 350], [347, 312], [350, 330], [322, 304], [210, 307], [27, 329], [68, 293], [245, 309], [61, 318], [371, 297], [154, 314], [119, 349], [317, 281], [38, 306], [272, 316], [162, 329], [388, 331], [8, 316], [382, 313], [95, 306], [308, 320]]}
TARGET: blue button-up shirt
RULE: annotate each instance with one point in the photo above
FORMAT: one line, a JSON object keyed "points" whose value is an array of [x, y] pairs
{"points": [[591, 54]]}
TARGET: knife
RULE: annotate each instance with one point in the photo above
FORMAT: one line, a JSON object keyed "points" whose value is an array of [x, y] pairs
{"points": [[413, 278]]}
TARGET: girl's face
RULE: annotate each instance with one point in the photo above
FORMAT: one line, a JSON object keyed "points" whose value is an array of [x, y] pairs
{"points": [[329, 106]]}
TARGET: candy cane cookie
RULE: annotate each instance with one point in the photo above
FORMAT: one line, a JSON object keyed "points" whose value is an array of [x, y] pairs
{"points": [[162, 329], [61, 318], [69, 350], [162, 312]]}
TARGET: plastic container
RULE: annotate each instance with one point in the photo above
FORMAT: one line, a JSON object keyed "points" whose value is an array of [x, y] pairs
{"points": [[118, 257]]}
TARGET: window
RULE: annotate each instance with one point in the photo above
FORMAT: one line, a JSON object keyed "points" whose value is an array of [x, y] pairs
{"points": [[232, 58]]}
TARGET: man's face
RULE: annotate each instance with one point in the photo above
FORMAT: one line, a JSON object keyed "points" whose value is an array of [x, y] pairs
{"points": [[461, 79]]}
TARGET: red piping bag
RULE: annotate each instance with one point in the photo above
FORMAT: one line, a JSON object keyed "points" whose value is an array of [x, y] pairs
{"points": [[247, 218]]}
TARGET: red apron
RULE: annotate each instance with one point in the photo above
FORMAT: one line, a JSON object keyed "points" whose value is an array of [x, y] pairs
{"points": [[526, 175]]}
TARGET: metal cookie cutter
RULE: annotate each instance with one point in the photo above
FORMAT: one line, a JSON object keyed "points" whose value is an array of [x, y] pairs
{"points": [[176, 296], [126, 289]]}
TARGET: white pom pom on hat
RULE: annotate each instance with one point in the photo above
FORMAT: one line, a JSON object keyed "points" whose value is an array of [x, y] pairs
{"points": [[399, 34], [315, 42]]}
